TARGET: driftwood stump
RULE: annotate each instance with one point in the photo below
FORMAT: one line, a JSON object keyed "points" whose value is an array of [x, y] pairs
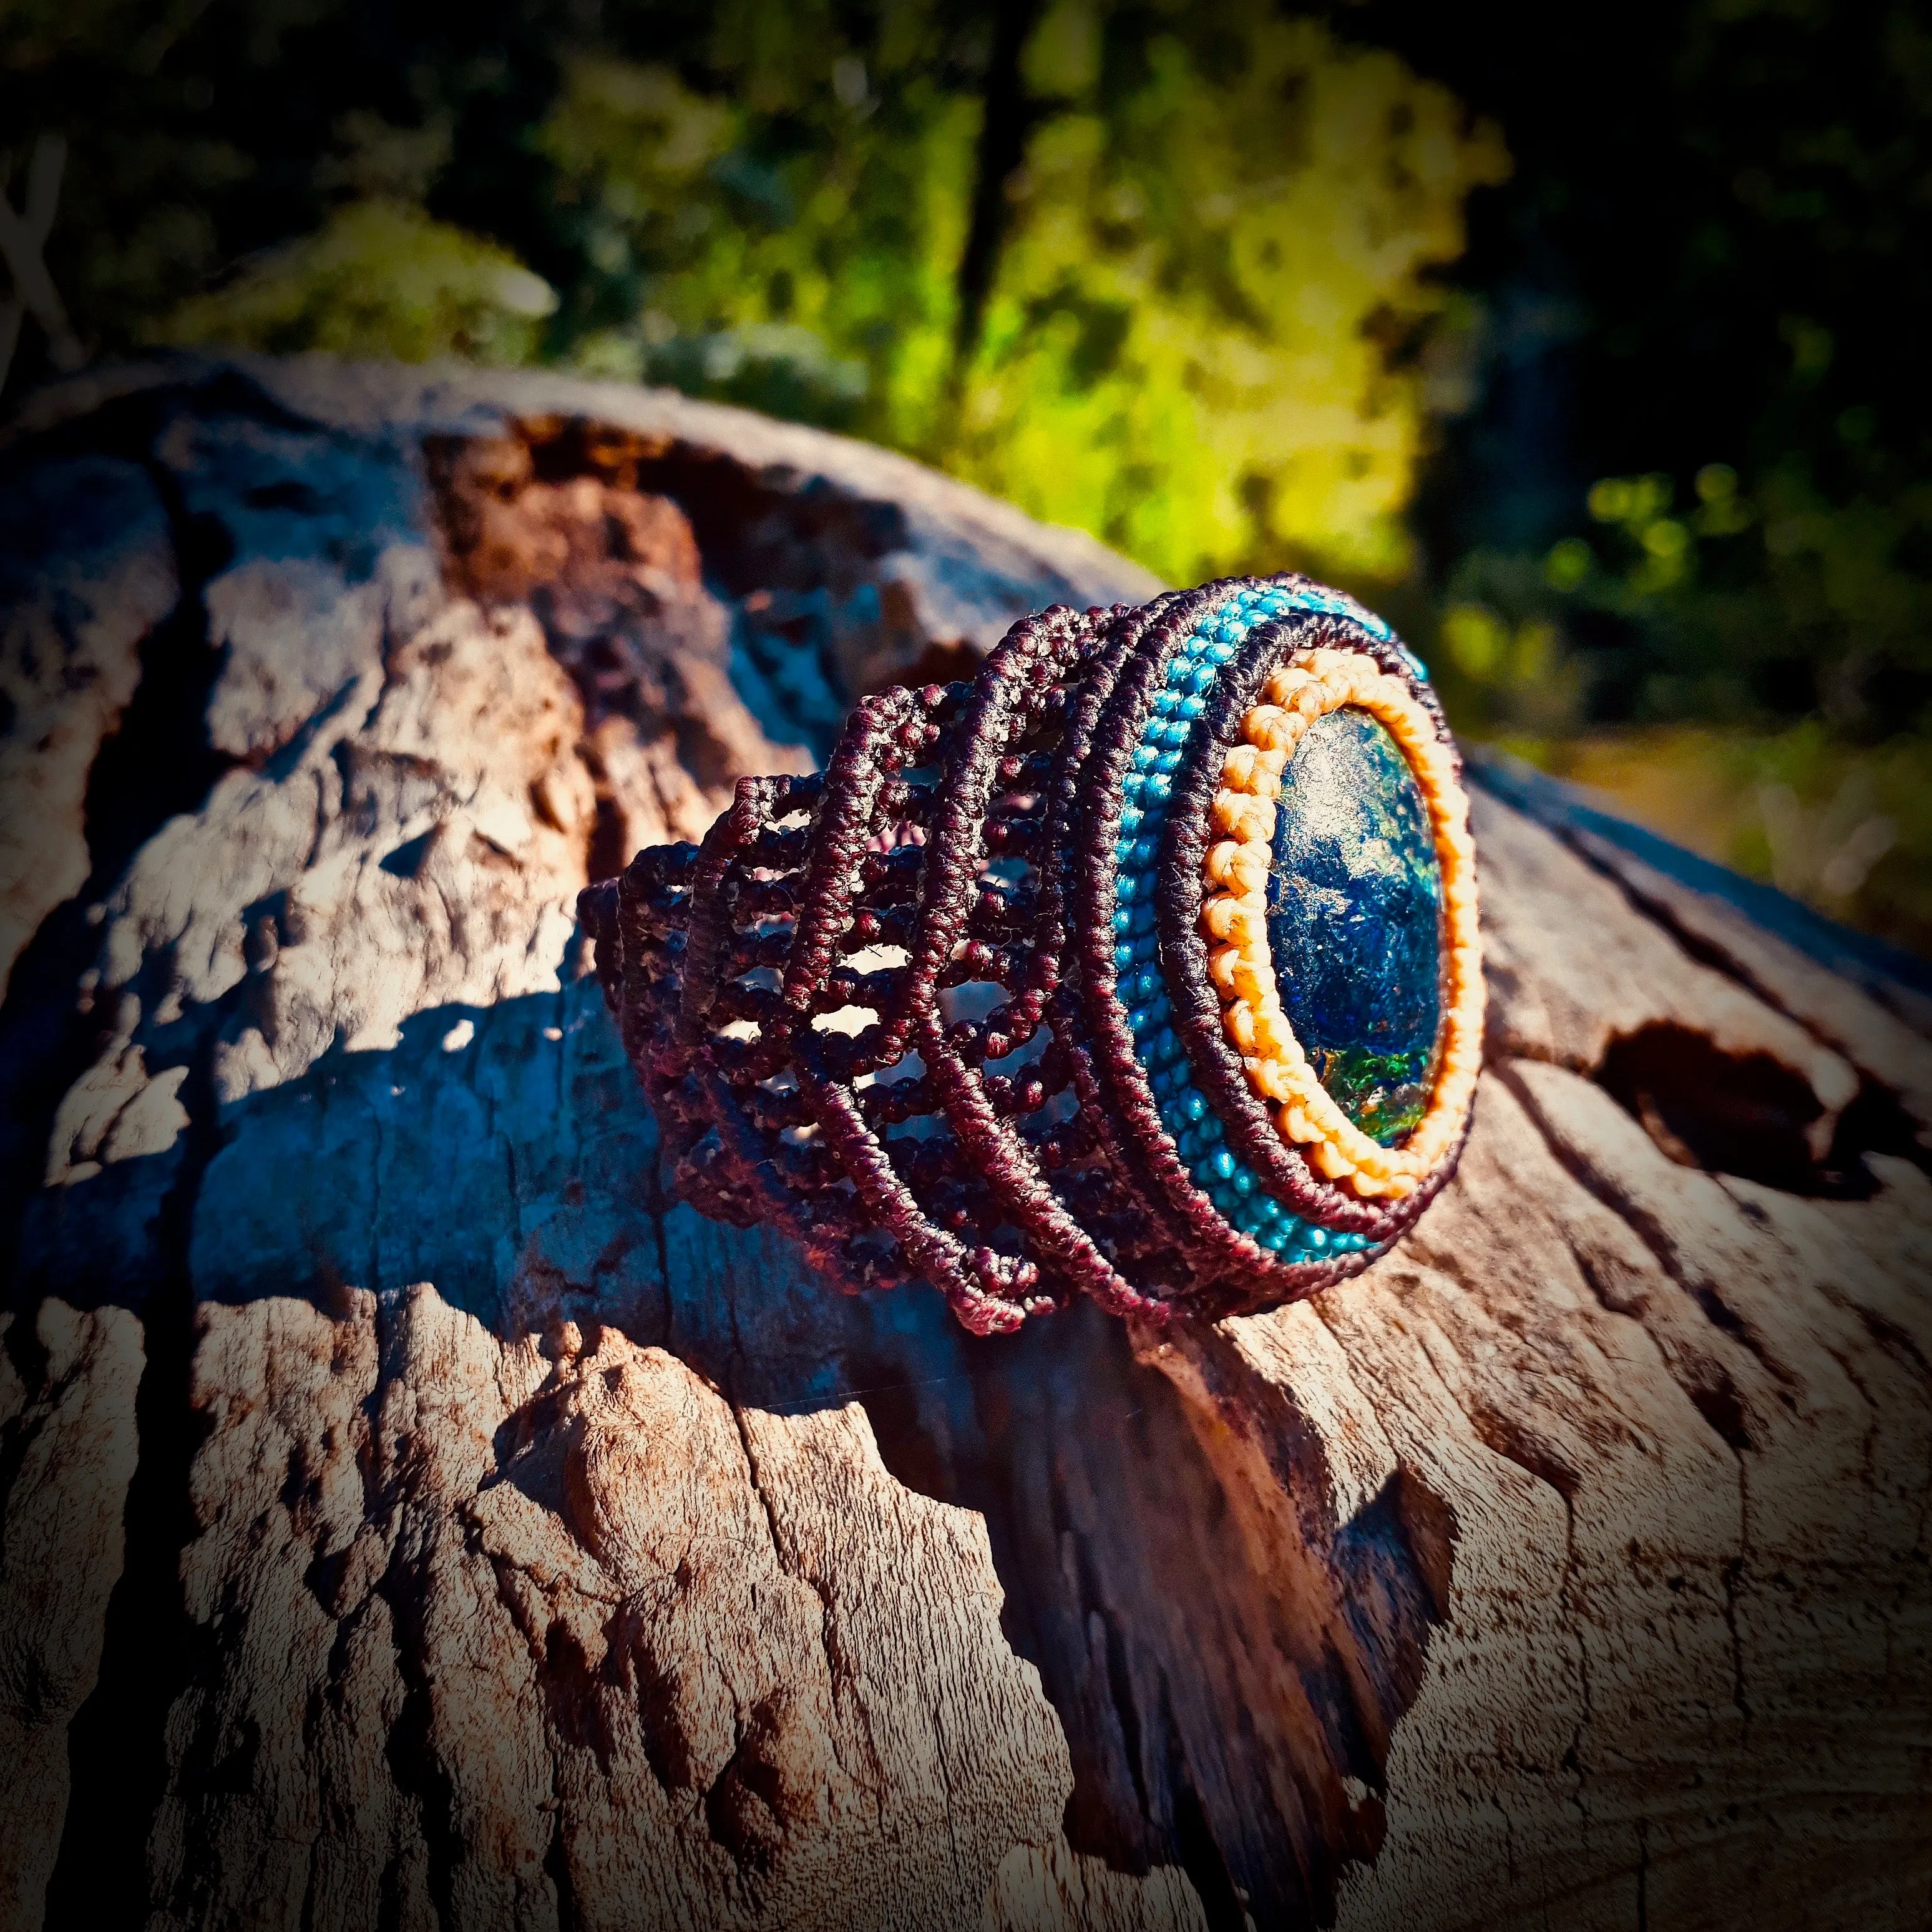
{"points": [[413, 1519]]}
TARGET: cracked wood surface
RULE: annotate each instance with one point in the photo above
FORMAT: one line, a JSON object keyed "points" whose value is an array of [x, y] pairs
{"points": [[408, 1516]]}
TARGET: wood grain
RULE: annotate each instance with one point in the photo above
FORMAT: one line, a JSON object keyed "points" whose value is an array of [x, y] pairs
{"points": [[412, 1517]]}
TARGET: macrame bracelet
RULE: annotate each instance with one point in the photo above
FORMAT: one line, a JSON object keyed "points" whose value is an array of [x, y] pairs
{"points": [[1145, 965]]}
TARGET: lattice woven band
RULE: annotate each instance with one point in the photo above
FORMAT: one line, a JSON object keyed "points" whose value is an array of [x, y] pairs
{"points": [[993, 1001]]}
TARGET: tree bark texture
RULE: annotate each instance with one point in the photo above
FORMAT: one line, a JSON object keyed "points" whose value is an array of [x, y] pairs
{"points": [[411, 1517]]}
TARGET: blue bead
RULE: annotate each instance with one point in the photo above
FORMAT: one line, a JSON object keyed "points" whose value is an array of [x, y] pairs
{"points": [[1212, 1127], [1123, 957], [1147, 946], [1142, 917], [1194, 707], [1195, 1106], [1123, 920], [1317, 1238], [1144, 851], [1222, 1163], [1244, 1182], [1160, 783], [1147, 983], [1144, 756], [1169, 761], [1274, 1240], [1130, 818]]}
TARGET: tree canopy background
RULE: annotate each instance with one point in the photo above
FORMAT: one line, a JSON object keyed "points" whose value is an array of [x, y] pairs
{"points": [[1584, 344]]}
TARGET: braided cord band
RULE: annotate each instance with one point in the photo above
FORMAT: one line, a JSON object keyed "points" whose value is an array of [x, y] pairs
{"points": [[958, 1010]]}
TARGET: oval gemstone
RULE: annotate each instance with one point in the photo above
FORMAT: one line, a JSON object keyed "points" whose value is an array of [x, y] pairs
{"points": [[1355, 921]]}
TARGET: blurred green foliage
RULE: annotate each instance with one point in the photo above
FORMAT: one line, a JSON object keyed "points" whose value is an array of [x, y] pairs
{"points": [[1685, 525], [1589, 346], [1701, 449], [1204, 246], [378, 278], [1212, 226]]}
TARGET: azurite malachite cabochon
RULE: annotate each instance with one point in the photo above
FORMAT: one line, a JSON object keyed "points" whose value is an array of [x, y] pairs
{"points": [[1145, 965], [1354, 905]]}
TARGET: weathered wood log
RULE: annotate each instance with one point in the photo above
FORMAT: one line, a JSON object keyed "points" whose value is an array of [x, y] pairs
{"points": [[412, 1518]]}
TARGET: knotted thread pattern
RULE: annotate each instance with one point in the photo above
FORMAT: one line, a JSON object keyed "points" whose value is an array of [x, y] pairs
{"points": [[879, 1006]]}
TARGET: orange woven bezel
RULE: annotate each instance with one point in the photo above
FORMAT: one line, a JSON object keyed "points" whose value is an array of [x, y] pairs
{"points": [[1233, 918]]}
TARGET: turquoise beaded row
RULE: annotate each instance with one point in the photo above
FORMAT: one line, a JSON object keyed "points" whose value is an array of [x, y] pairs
{"points": [[1198, 1137]]}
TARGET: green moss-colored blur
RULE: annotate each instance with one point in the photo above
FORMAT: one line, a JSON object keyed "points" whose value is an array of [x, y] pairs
{"points": [[379, 278], [1177, 346], [1210, 232]]}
